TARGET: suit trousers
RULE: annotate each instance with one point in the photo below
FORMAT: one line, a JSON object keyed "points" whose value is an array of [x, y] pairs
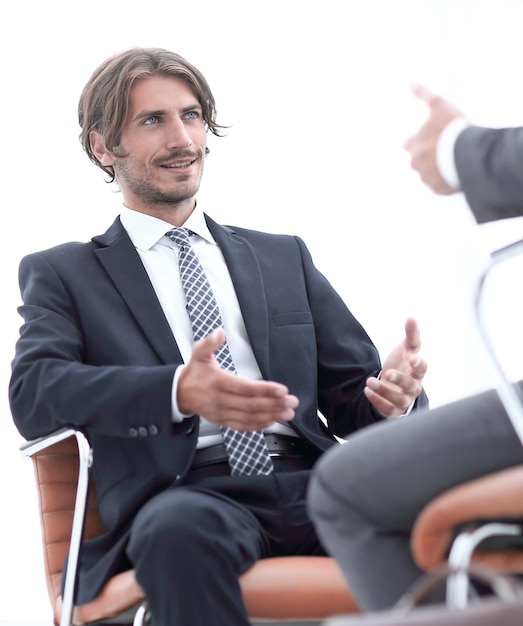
{"points": [[190, 544], [366, 494]]}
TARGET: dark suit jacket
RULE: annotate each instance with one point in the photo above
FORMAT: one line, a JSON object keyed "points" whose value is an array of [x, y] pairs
{"points": [[96, 351], [490, 168]]}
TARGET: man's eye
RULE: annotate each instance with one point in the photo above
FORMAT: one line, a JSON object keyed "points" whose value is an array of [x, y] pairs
{"points": [[153, 119], [192, 115]]}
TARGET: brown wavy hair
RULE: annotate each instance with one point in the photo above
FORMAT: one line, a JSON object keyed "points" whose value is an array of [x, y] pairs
{"points": [[105, 98]]}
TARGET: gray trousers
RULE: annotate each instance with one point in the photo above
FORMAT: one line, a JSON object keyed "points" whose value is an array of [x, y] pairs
{"points": [[365, 495]]}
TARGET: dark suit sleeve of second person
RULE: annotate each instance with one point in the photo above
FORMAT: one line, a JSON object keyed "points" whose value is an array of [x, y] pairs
{"points": [[490, 167]]}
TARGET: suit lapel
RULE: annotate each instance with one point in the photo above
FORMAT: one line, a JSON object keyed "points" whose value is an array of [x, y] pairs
{"points": [[123, 265], [247, 279]]}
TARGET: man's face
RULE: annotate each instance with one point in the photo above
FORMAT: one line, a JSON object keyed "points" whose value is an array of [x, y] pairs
{"points": [[163, 143]]}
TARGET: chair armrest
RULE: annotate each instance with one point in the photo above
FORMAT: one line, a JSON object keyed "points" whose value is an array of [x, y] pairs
{"points": [[41, 443], [496, 497]]}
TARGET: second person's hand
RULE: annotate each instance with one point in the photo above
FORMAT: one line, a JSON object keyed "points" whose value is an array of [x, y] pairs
{"points": [[422, 146]]}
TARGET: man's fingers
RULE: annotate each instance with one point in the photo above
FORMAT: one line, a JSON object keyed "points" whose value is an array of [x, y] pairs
{"points": [[407, 144], [238, 387], [424, 94], [393, 394], [419, 367], [384, 406], [400, 383], [253, 404]]}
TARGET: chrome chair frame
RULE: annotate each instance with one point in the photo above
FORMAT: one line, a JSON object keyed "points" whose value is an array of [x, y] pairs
{"points": [[85, 457], [138, 613], [509, 393], [463, 547]]}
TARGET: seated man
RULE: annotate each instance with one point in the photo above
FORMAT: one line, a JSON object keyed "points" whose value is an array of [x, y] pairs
{"points": [[195, 356], [365, 496]]}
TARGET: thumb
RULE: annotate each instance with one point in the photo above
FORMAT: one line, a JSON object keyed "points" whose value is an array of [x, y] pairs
{"points": [[412, 334], [424, 94], [204, 349]]}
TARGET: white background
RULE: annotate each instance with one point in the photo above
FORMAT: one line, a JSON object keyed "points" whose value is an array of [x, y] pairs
{"points": [[317, 97]]}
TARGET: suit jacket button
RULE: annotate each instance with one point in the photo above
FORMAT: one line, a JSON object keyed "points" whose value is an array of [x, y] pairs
{"points": [[153, 430], [142, 431], [133, 432]]}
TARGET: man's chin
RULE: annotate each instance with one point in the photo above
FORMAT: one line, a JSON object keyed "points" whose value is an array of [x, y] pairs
{"points": [[175, 197]]}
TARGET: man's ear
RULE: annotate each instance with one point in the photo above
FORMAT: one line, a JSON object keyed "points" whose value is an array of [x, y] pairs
{"points": [[97, 143]]}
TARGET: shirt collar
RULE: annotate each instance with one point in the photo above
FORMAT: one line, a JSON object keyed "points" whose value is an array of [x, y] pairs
{"points": [[145, 231]]}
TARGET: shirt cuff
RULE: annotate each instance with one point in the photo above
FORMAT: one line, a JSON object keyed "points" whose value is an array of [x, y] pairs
{"points": [[177, 415], [404, 414], [445, 151]]}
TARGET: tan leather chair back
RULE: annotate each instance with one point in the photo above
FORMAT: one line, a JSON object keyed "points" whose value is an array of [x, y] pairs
{"points": [[56, 472]]}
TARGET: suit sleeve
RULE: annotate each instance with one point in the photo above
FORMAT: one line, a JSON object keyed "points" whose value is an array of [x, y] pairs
{"points": [[55, 381], [346, 356], [490, 168]]}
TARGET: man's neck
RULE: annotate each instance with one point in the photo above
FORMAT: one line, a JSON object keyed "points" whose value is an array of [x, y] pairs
{"points": [[175, 214]]}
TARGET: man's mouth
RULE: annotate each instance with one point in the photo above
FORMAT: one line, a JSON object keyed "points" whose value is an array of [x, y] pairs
{"points": [[180, 165]]}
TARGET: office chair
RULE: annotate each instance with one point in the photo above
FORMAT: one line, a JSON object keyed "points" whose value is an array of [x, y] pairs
{"points": [[476, 524], [284, 590], [480, 521]]}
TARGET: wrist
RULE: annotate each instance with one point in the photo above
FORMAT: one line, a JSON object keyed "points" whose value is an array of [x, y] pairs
{"points": [[445, 152]]}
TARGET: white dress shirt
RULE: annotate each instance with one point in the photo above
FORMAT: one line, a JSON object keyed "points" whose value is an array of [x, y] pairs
{"points": [[159, 256], [445, 152]]}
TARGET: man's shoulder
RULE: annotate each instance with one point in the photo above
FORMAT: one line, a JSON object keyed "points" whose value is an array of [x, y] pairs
{"points": [[73, 249], [62, 249]]}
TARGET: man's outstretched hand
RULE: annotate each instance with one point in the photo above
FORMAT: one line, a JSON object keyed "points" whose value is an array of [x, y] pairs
{"points": [[401, 376], [205, 389]]}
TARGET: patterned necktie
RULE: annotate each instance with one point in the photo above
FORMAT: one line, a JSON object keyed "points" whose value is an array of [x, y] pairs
{"points": [[247, 451]]}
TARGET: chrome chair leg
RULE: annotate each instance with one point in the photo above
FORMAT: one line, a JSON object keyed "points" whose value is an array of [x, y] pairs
{"points": [[458, 583], [141, 616]]}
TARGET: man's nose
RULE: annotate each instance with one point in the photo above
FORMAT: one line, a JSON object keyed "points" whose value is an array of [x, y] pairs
{"points": [[178, 137]]}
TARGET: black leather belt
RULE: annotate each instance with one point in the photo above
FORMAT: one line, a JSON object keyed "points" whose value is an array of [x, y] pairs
{"points": [[278, 445]]}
